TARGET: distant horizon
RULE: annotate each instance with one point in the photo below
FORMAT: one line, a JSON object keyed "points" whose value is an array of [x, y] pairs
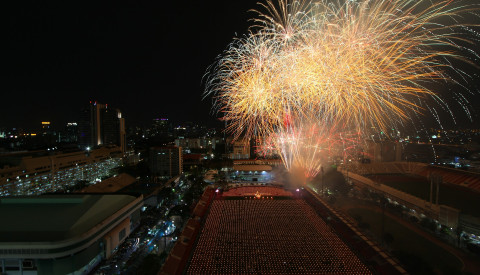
{"points": [[147, 60], [73, 116], [146, 123]]}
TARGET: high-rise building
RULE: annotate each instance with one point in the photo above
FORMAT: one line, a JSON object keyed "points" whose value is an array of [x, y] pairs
{"points": [[238, 149], [69, 133], [45, 125], [101, 125], [166, 162], [161, 127], [47, 129]]}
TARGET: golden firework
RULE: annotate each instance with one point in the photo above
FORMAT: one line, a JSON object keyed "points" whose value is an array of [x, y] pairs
{"points": [[360, 64]]}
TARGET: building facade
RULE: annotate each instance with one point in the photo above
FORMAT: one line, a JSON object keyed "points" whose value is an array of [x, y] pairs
{"points": [[101, 125], [35, 173], [384, 151], [166, 162], [240, 149], [199, 143], [251, 173]]}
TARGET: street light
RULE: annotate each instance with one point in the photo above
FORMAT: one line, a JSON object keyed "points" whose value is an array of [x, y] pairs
{"points": [[321, 170]]}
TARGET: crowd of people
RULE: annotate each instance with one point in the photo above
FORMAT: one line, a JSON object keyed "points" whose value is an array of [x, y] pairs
{"points": [[254, 190], [270, 236]]}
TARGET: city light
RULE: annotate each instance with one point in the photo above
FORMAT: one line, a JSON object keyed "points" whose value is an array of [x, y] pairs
{"points": [[39, 183]]}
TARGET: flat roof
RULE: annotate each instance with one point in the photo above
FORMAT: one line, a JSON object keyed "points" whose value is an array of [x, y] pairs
{"points": [[112, 184], [51, 218], [252, 167]]}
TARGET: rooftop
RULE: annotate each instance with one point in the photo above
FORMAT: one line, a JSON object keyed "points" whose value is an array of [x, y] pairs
{"points": [[53, 218], [112, 184]]}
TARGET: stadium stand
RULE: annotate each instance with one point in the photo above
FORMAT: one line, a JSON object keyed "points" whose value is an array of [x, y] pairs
{"points": [[457, 177]]}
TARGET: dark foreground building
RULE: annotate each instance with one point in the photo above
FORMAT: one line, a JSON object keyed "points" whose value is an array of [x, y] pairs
{"points": [[63, 234]]}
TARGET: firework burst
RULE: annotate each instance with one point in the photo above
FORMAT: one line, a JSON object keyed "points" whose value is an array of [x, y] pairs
{"points": [[360, 64]]}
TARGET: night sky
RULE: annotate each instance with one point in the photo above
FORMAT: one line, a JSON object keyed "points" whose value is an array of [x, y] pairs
{"points": [[146, 58]]}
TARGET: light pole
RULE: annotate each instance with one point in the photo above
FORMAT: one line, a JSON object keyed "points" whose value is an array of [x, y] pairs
{"points": [[165, 241], [323, 178], [383, 204]]}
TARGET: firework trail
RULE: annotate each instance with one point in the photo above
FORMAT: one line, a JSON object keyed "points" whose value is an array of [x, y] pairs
{"points": [[360, 64], [304, 147]]}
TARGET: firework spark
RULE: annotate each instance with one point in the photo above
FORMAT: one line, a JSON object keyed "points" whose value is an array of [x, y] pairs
{"points": [[360, 64], [304, 147]]}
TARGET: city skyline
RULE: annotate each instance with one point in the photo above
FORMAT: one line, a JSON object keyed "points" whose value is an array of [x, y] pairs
{"points": [[145, 59]]}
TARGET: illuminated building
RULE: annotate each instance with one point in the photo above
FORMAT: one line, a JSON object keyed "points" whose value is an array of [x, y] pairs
{"points": [[70, 133], [238, 149], [64, 234], [271, 162], [47, 130], [39, 172], [161, 127], [101, 125], [256, 173], [45, 125], [198, 143]]}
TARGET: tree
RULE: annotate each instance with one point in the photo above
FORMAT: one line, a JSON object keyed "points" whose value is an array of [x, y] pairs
{"points": [[164, 194], [220, 180], [180, 210], [428, 223], [413, 219], [332, 199], [458, 232], [334, 180], [223, 184], [150, 265], [139, 170], [317, 181]]}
